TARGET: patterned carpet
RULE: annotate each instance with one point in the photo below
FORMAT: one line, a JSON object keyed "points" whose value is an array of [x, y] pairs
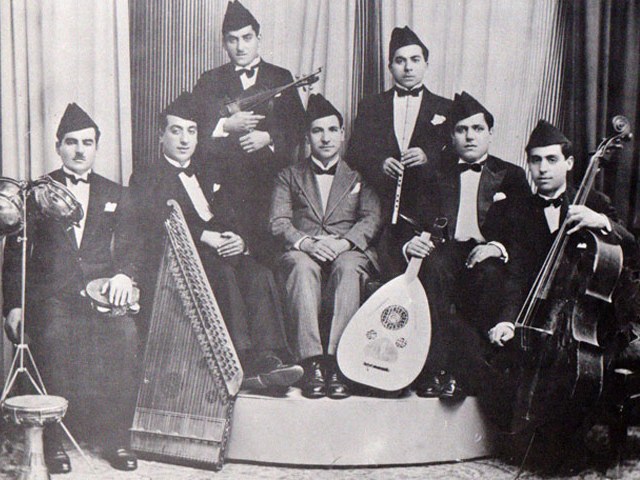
{"points": [[11, 452]]}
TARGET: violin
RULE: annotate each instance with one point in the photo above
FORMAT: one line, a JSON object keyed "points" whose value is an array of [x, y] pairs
{"points": [[557, 327], [255, 97]]}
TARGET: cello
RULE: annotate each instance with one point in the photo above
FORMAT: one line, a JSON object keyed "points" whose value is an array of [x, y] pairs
{"points": [[557, 327]]}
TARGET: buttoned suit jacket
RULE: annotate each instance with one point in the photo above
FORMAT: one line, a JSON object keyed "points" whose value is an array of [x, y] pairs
{"points": [[373, 140], [57, 264], [353, 208]]}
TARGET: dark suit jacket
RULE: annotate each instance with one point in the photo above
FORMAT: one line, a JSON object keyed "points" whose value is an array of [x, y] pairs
{"points": [[373, 140], [56, 264], [353, 208], [284, 123]]}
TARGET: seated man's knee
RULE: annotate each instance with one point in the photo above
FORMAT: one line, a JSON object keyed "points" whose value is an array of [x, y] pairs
{"points": [[349, 262], [300, 264]]}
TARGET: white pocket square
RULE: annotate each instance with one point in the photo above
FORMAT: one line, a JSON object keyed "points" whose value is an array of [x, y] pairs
{"points": [[499, 196], [110, 207], [438, 119], [216, 187], [355, 189]]}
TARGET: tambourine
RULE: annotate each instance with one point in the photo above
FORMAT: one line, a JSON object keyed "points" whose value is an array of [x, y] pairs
{"points": [[11, 206], [100, 302], [55, 201]]}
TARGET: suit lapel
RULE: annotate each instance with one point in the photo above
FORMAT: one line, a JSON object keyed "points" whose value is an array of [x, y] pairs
{"points": [[96, 201], [387, 119], [342, 181], [309, 187], [424, 114], [490, 180], [67, 231]]}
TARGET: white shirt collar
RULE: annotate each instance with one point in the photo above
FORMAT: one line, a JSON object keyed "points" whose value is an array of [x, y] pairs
{"points": [[321, 165], [254, 63], [177, 164], [417, 85], [556, 195], [480, 160], [84, 176]]}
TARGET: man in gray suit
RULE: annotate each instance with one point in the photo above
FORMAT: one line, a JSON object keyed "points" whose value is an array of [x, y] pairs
{"points": [[326, 217]]}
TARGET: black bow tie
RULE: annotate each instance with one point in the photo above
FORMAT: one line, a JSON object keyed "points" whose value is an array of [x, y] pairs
{"points": [[476, 167], [249, 72], [403, 93], [188, 171], [319, 171], [75, 180], [548, 202]]}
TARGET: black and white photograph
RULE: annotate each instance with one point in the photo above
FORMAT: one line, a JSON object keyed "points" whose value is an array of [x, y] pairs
{"points": [[319, 239]]}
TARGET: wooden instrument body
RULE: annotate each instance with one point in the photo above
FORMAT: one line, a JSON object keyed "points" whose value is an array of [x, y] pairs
{"points": [[386, 343], [557, 328], [191, 370]]}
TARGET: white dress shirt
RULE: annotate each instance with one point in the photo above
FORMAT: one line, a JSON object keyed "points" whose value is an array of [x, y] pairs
{"points": [[551, 213], [405, 115], [467, 227], [81, 191], [193, 189]]}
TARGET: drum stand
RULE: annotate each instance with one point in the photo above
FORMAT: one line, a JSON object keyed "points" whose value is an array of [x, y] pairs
{"points": [[32, 464]]}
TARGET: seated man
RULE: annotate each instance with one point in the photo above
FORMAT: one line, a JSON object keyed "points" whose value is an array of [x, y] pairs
{"points": [[326, 217], [244, 289], [464, 278], [85, 356]]}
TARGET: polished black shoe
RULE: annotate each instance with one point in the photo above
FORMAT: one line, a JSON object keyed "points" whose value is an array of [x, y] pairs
{"points": [[431, 388], [313, 383], [337, 387], [273, 373], [452, 391], [57, 461], [123, 459]]}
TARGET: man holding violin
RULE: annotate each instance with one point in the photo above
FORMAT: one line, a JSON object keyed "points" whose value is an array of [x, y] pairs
{"points": [[85, 356], [249, 148]]}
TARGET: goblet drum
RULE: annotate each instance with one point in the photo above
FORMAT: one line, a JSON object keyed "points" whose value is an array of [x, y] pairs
{"points": [[11, 206], [34, 411], [55, 201]]}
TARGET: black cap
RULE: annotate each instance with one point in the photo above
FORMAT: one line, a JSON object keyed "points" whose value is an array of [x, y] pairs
{"points": [[184, 106], [465, 106], [320, 107], [546, 134], [401, 37], [73, 119], [237, 17]]}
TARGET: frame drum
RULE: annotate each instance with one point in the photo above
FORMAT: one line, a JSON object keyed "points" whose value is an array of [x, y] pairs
{"points": [[11, 206], [55, 201]]}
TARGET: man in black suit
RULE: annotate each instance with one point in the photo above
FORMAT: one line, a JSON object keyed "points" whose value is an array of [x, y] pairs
{"points": [[249, 147], [87, 357], [464, 277], [244, 289], [400, 131]]}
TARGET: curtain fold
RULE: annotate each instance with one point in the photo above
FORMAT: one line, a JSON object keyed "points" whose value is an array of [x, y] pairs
{"points": [[601, 81], [53, 53]]}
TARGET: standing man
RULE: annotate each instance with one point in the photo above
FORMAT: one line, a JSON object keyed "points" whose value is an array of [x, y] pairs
{"points": [[244, 289], [249, 147], [87, 357], [325, 216], [400, 131], [464, 278]]}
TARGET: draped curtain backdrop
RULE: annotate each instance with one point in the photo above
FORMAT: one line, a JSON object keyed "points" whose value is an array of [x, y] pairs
{"points": [[603, 68], [53, 52]]}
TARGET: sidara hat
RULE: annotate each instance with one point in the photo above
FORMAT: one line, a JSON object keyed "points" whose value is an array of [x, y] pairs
{"points": [[73, 119], [401, 37], [545, 134], [320, 107], [465, 106], [237, 17], [184, 106]]}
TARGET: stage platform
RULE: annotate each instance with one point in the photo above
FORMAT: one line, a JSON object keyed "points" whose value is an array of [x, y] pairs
{"points": [[357, 431]]}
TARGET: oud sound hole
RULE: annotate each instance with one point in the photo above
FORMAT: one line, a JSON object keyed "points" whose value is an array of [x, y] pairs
{"points": [[394, 317]]}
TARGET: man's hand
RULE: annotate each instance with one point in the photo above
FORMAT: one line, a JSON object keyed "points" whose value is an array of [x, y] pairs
{"points": [[232, 244], [413, 157], [501, 333], [120, 290], [580, 217], [242, 122], [392, 167], [12, 325], [325, 248], [481, 252], [254, 141], [417, 247]]}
